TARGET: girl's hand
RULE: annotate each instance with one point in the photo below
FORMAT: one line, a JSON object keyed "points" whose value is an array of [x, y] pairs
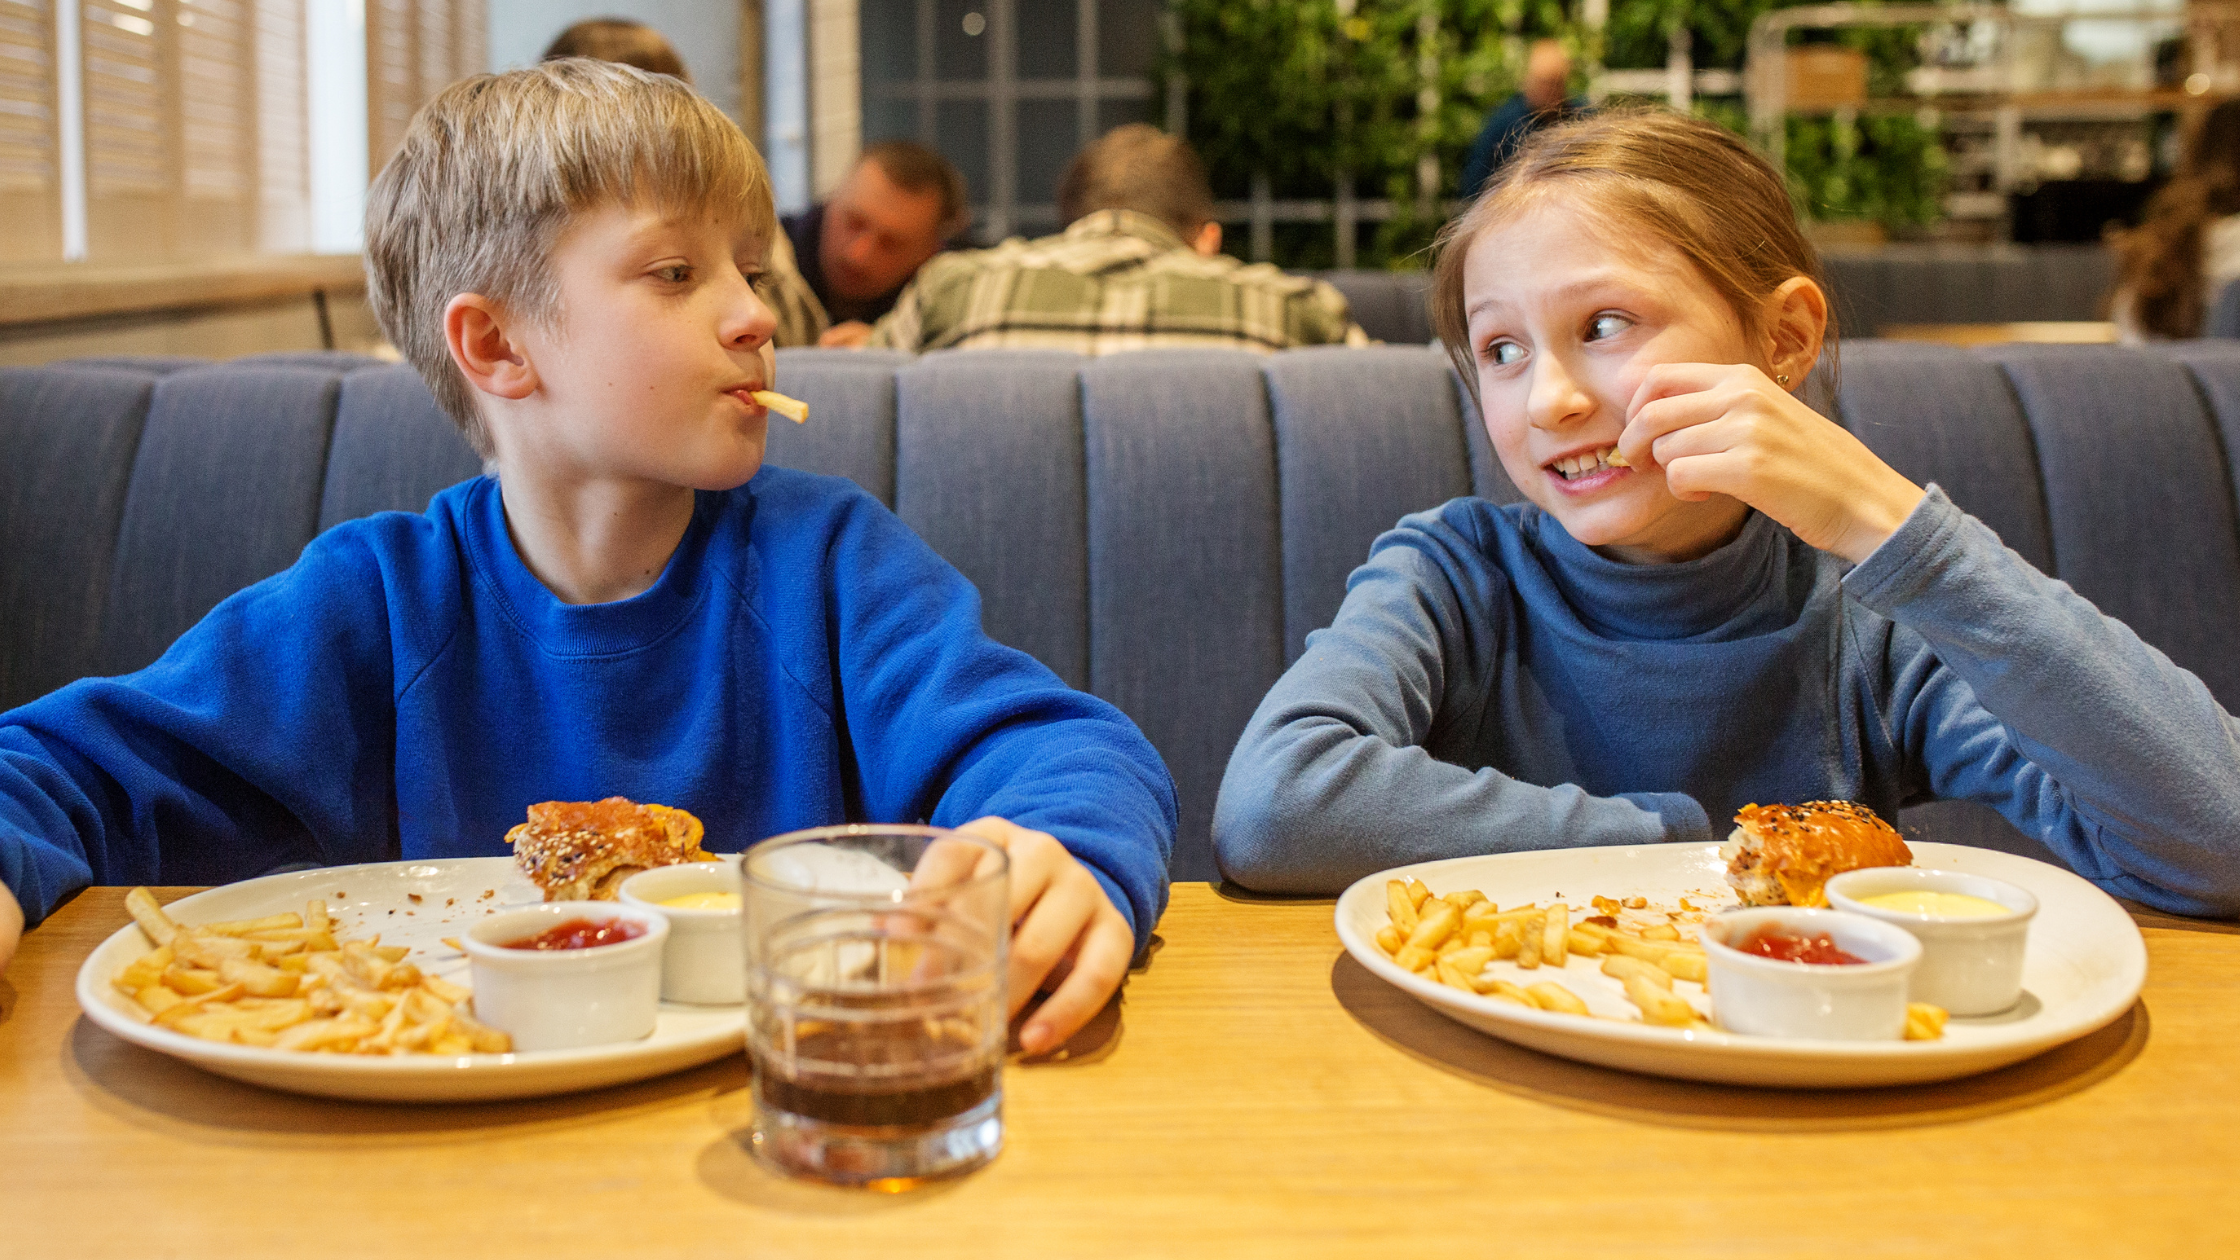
{"points": [[1727, 429]]}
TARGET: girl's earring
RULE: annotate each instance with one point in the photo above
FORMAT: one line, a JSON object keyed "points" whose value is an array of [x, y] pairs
{"points": [[1782, 379]]}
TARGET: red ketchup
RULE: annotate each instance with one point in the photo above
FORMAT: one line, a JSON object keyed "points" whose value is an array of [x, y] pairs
{"points": [[582, 934], [1789, 947]]}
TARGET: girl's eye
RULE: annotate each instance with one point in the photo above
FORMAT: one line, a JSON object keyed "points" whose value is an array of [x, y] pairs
{"points": [[1602, 326], [1504, 353]]}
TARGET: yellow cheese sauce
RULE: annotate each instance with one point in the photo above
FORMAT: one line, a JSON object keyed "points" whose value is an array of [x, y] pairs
{"points": [[1943, 905], [704, 901]]}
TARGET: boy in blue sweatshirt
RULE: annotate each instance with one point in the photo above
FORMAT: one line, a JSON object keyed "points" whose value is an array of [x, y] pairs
{"points": [[632, 605]]}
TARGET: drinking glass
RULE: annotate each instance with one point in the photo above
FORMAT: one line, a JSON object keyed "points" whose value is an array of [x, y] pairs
{"points": [[875, 1001]]}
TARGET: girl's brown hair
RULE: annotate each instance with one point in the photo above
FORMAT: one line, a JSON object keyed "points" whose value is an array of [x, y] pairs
{"points": [[2159, 264], [1691, 184]]}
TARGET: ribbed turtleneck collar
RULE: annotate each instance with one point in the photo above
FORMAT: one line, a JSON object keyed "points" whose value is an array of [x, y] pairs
{"points": [[1747, 587]]}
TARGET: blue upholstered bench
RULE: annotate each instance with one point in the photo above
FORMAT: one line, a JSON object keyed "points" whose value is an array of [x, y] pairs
{"points": [[1161, 528]]}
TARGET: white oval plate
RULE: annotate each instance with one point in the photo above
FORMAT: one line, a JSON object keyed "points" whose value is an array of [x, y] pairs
{"points": [[378, 897], [2085, 965]]}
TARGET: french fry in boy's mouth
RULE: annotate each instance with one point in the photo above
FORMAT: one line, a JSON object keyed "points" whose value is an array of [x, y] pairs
{"points": [[793, 408]]}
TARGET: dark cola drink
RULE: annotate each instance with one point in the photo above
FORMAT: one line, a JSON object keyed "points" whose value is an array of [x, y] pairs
{"points": [[908, 1073]]}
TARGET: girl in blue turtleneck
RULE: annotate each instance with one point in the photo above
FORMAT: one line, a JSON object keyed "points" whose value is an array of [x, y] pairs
{"points": [[1712, 596]]}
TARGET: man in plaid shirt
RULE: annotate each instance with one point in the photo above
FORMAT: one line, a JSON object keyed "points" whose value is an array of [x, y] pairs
{"points": [[1140, 266]]}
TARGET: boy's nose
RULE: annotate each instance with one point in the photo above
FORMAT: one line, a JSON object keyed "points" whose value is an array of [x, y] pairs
{"points": [[748, 320]]}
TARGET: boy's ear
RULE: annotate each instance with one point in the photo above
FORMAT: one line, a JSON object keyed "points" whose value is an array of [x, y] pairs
{"points": [[1795, 318], [490, 359]]}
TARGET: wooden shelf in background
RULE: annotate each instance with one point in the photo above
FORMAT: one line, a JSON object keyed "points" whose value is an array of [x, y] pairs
{"points": [[52, 292]]}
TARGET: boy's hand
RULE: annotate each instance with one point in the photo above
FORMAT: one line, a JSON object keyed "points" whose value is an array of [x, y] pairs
{"points": [[11, 926], [1728, 429], [1063, 926]]}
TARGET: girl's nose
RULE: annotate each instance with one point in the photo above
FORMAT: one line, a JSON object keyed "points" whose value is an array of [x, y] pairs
{"points": [[1557, 397]]}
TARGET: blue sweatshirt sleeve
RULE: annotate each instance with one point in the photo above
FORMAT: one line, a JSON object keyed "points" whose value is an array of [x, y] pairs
{"points": [[259, 738], [949, 725], [1332, 779], [2030, 700]]}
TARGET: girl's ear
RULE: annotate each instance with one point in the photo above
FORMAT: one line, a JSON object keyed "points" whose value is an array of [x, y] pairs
{"points": [[491, 360], [1795, 317]]}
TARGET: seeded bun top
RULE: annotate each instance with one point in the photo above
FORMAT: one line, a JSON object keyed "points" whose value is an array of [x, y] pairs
{"points": [[1782, 855]]}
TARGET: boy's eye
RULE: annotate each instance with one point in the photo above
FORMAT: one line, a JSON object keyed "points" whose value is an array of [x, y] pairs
{"points": [[675, 273], [1504, 353], [1602, 326]]}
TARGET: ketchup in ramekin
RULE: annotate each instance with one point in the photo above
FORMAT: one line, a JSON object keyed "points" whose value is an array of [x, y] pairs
{"points": [[582, 934], [1785, 946]]}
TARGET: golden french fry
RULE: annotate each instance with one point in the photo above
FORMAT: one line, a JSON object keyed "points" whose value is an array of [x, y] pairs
{"points": [[1550, 996], [243, 927], [1481, 937], [1622, 967], [1683, 965], [315, 916], [326, 1034], [141, 904], [443, 989], [259, 979], [146, 970], [1452, 976], [1463, 900], [1412, 957], [1439, 923], [155, 999], [791, 408], [1390, 940], [1472, 959], [1924, 1022], [192, 980], [186, 1006], [1555, 936], [1508, 938], [1660, 932], [1583, 944], [1398, 906], [1450, 945], [1507, 991], [1659, 1005], [1528, 942], [1418, 892]]}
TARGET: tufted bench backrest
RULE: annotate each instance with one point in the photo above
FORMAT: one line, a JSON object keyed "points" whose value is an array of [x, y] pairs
{"points": [[1162, 528]]}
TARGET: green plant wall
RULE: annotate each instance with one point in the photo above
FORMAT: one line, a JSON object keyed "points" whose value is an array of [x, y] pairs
{"points": [[1301, 91]]}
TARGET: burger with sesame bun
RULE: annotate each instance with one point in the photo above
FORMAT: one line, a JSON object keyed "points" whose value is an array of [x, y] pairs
{"points": [[1783, 855]]}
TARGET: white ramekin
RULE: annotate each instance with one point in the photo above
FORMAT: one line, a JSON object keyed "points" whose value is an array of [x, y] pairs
{"points": [[564, 998], [705, 961], [1768, 997], [1968, 966]]}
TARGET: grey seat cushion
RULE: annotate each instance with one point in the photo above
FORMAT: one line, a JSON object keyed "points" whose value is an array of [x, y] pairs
{"points": [[195, 529], [62, 491], [1363, 437], [850, 431], [2132, 466], [1185, 561], [393, 447], [1391, 306]]}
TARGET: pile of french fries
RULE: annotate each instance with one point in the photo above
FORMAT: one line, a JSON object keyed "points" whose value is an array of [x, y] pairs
{"points": [[285, 982], [1455, 938]]}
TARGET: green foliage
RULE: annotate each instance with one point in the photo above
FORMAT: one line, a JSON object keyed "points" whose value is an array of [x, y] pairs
{"points": [[1295, 90]]}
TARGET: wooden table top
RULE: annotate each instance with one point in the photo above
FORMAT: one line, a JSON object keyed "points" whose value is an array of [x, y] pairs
{"points": [[1255, 1093]]}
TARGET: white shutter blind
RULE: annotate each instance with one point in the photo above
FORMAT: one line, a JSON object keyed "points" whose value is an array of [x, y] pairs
{"points": [[217, 126], [414, 49], [30, 193], [282, 107]]}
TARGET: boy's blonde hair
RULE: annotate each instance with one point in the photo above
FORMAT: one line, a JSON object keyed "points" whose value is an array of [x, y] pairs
{"points": [[494, 169], [1691, 184]]}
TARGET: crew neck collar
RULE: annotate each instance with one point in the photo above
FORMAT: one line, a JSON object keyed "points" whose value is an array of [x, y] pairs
{"points": [[565, 629]]}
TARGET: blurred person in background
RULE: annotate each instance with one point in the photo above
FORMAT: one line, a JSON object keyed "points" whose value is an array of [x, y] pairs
{"points": [[2170, 267], [897, 208], [1538, 103], [800, 319], [1139, 265]]}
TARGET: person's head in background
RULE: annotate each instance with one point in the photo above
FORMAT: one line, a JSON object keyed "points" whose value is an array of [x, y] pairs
{"points": [[2162, 265], [1141, 168], [897, 208], [1547, 71], [622, 40], [1611, 246]]}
